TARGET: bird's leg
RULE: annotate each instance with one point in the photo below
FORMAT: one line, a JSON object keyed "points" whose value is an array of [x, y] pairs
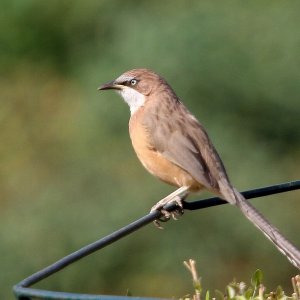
{"points": [[177, 196]]}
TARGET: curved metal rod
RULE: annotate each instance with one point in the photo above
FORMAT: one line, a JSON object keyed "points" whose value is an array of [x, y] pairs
{"points": [[22, 291]]}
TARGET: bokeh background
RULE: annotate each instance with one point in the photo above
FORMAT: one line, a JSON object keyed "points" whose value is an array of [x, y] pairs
{"points": [[68, 174]]}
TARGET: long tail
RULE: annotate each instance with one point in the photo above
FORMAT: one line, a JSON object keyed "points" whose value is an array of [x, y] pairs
{"points": [[271, 232]]}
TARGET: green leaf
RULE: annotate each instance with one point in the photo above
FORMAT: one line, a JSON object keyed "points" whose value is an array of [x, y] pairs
{"points": [[248, 293], [279, 292], [257, 278], [231, 291], [207, 295]]}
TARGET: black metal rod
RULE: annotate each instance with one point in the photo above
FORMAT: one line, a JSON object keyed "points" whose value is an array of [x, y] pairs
{"points": [[29, 293], [77, 255], [109, 239], [255, 193]]}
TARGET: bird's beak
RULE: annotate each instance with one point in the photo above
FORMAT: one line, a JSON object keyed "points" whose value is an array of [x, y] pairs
{"points": [[110, 86]]}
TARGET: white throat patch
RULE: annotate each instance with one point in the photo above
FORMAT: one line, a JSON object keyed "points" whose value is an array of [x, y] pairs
{"points": [[134, 99]]}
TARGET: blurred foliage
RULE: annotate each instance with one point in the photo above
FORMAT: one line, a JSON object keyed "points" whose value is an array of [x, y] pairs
{"points": [[68, 173], [240, 290]]}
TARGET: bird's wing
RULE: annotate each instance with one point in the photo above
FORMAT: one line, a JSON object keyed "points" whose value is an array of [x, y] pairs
{"points": [[181, 139]]}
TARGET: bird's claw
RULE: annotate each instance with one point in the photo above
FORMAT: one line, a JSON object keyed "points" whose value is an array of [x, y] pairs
{"points": [[166, 215]]}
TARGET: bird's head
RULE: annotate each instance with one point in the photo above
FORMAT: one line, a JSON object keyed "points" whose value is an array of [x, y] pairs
{"points": [[135, 86]]}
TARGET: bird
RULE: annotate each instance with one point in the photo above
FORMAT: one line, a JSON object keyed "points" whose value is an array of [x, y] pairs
{"points": [[174, 146]]}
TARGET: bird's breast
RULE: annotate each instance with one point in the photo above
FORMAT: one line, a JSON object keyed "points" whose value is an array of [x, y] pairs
{"points": [[153, 160]]}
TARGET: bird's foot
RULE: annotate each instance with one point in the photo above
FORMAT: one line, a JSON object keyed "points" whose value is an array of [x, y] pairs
{"points": [[176, 197], [166, 215]]}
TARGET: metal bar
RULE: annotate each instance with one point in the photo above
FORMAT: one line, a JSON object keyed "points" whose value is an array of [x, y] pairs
{"points": [[87, 250], [29, 293], [22, 291], [255, 193]]}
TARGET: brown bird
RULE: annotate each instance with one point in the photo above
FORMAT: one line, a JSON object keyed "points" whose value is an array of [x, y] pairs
{"points": [[173, 146]]}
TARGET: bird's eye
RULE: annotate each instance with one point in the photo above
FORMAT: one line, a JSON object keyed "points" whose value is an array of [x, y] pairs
{"points": [[133, 82]]}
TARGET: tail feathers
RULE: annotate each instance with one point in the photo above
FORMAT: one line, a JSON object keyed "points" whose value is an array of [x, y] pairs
{"points": [[271, 232]]}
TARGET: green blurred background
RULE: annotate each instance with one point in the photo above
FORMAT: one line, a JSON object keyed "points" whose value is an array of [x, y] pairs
{"points": [[69, 175]]}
